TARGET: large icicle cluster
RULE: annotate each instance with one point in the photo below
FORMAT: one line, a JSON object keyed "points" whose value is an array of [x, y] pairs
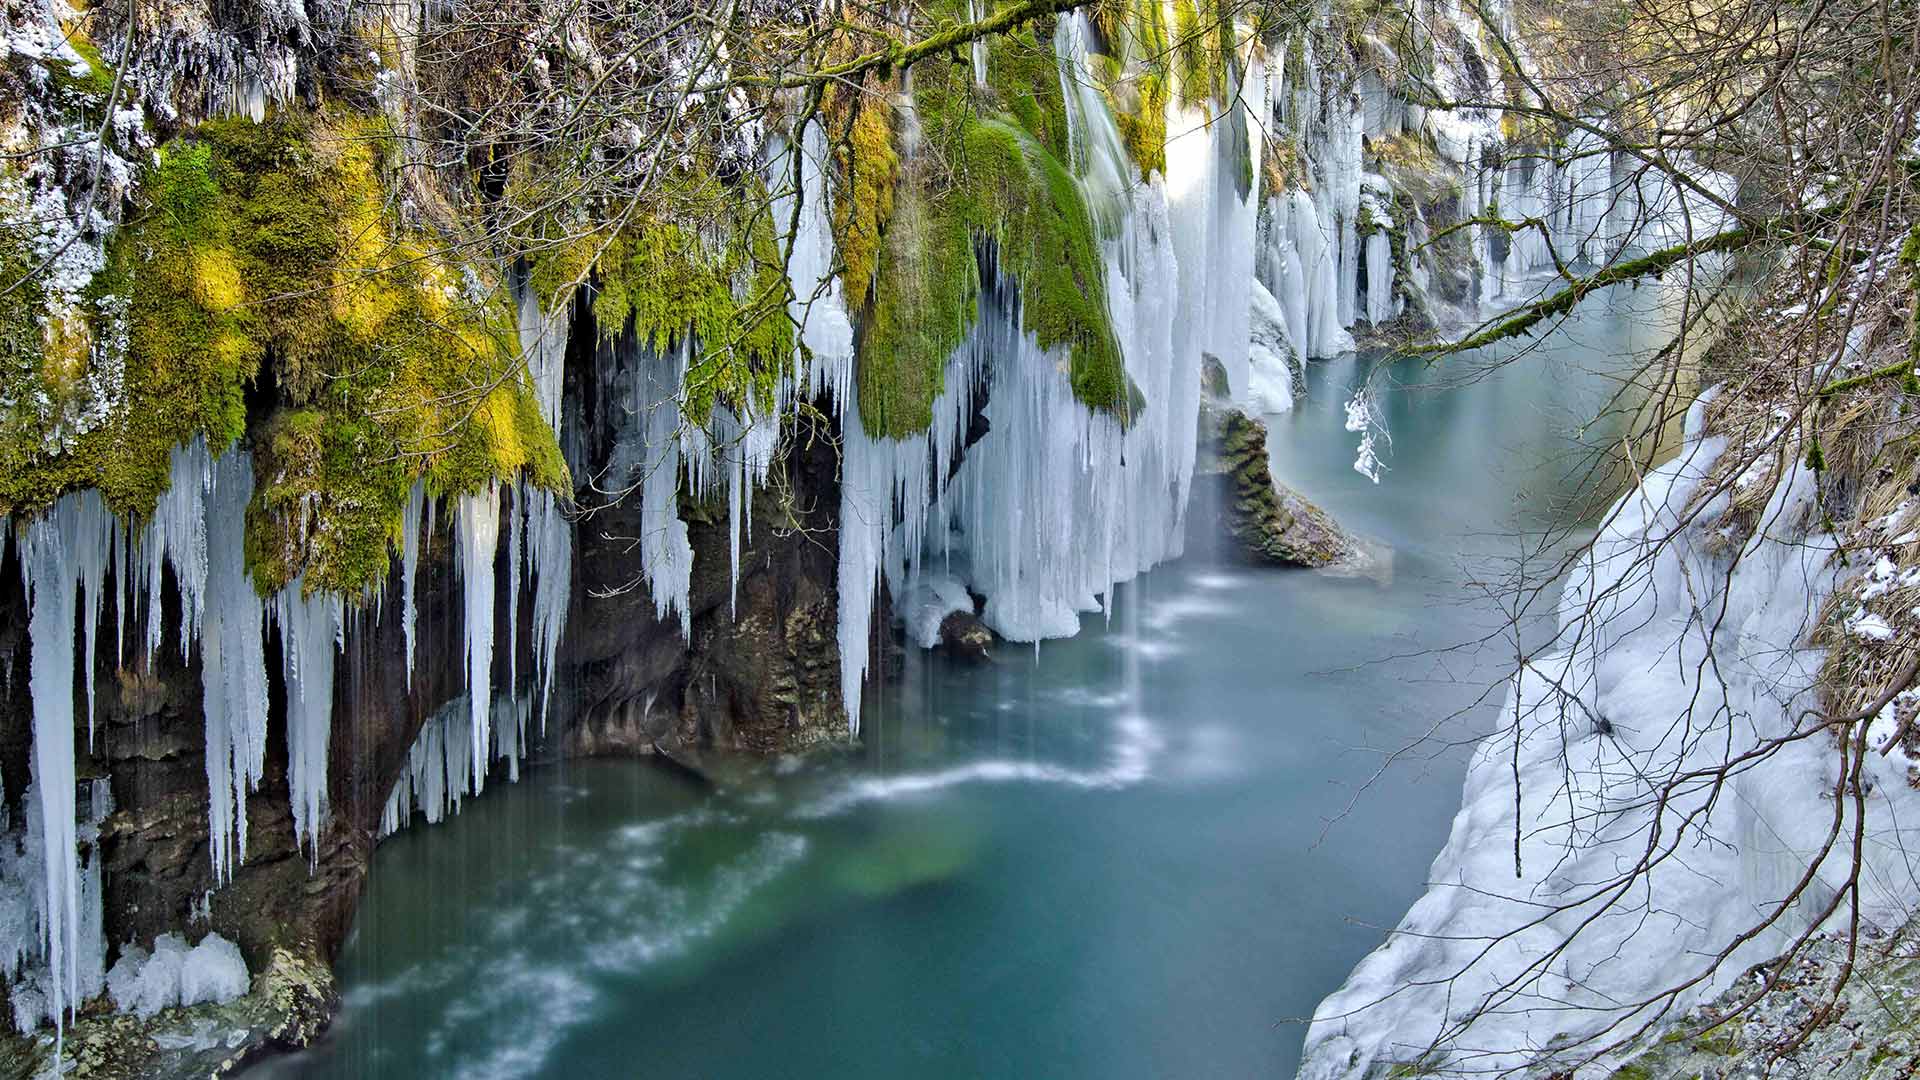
{"points": [[1058, 502], [1327, 252], [51, 952]]}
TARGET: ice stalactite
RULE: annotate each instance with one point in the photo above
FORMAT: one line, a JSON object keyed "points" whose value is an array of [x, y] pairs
{"points": [[735, 448], [548, 534], [543, 343], [477, 542], [312, 632], [62, 552], [1380, 301], [233, 666], [869, 471], [46, 562], [439, 766], [176, 537], [411, 524], [516, 530], [442, 763], [666, 549], [550, 553], [1057, 501], [817, 306]]}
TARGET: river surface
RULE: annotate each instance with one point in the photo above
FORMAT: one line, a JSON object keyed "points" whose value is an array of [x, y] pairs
{"points": [[1142, 852]]}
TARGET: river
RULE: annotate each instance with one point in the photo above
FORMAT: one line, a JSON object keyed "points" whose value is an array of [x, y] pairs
{"points": [[1140, 852]]}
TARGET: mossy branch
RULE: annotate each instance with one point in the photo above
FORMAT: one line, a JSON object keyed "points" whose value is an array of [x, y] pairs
{"points": [[1900, 369], [899, 54], [1523, 319]]}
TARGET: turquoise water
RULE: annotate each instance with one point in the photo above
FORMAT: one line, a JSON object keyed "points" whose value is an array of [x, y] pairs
{"points": [[1141, 852]]}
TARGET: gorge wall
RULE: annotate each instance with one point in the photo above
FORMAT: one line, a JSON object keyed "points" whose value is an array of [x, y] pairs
{"points": [[338, 488]]}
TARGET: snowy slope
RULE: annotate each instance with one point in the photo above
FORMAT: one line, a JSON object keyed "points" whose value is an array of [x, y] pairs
{"points": [[1697, 662]]}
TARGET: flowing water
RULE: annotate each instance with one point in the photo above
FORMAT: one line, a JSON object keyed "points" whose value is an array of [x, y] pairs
{"points": [[1135, 853]]}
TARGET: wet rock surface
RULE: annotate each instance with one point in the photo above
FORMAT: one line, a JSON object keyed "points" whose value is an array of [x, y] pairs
{"points": [[964, 636], [1269, 522]]}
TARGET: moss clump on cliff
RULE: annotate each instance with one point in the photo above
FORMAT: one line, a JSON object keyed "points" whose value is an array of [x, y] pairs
{"points": [[706, 273], [866, 169], [1003, 192], [270, 251], [1134, 72], [181, 366]]}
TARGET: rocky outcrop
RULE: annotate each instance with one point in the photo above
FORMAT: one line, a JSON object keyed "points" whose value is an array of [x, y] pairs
{"points": [[290, 1003], [1783, 1018], [1269, 522], [963, 636]]}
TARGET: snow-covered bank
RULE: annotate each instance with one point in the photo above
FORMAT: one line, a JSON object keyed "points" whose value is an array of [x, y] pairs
{"points": [[1605, 853]]}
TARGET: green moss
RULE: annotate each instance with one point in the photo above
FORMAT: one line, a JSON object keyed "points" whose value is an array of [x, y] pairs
{"points": [[270, 248], [867, 169], [1023, 74], [1004, 194], [667, 284], [1201, 49], [95, 85], [1135, 76]]}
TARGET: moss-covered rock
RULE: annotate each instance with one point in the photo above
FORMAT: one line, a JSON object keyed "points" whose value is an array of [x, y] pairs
{"points": [[271, 254], [1269, 522], [1002, 201]]}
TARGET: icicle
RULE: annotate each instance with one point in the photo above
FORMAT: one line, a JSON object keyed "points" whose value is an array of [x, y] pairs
{"points": [[825, 348], [233, 666], [478, 534], [550, 553], [666, 551], [410, 542], [176, 536], [438, 767], [516, 526], [312, 631], [64, 547], [543, 341]]}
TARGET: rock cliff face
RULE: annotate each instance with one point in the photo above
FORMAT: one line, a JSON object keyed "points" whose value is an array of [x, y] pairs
{"points": [[756, 672]]}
